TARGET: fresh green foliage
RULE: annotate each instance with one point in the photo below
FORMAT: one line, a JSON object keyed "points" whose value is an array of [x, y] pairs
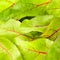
{"points": [[37, 38]]}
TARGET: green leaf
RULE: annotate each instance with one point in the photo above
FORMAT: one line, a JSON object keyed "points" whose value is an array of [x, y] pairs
{"points": [[8, 51], [37, 38], [54, 52]]}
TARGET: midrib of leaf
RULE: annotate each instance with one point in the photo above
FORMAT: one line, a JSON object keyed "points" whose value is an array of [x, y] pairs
{"points": [[38, 5], [15, 32], [11, 5], [8, 7], [19, 34], [54, 33], [6, 50], [45, 3], [36, 51]]}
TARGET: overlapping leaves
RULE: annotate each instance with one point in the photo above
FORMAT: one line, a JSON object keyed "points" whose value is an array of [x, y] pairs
{"points": [[34, 39]]}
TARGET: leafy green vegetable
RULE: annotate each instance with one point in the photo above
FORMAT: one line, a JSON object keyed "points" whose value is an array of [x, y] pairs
{"points": [[37, 38]]}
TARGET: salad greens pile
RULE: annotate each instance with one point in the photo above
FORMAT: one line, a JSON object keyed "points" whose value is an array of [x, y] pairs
{"points": [[34, 38]]}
